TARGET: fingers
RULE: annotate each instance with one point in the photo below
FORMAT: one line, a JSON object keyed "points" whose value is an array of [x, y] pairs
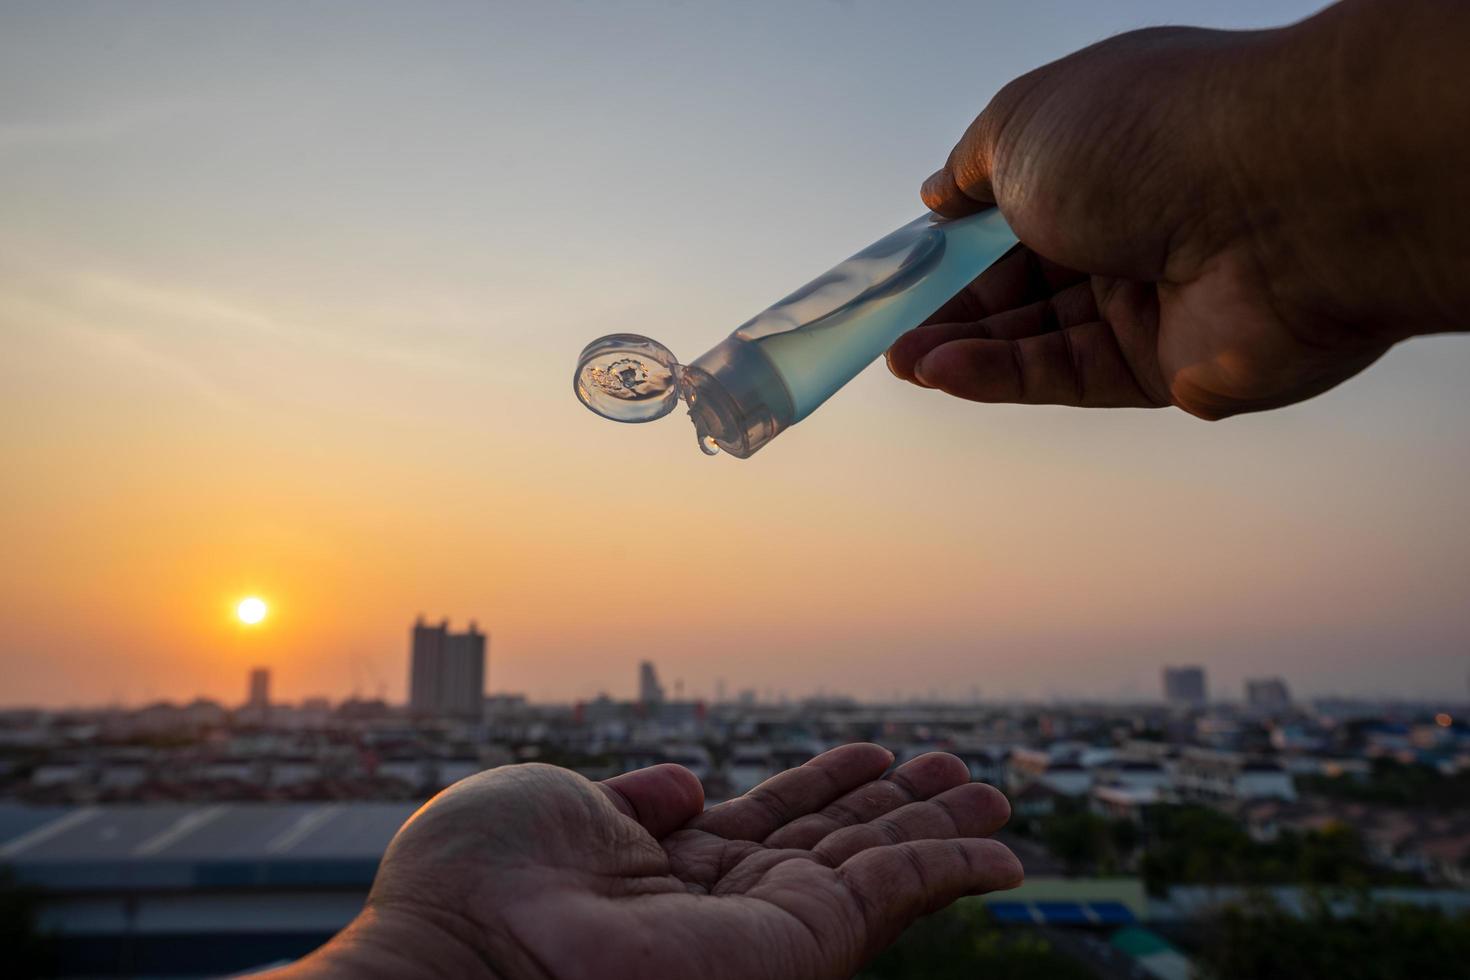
{"points": [[971, 810], [1019, 277], [796, 792], [662, 798], [1081, 365], [963, 185], [942, 194], [917, 779], [747, 873], [1070, 307], [892, 886], [1054, 351]]}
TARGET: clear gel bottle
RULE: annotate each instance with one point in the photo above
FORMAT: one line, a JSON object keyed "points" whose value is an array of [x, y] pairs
{"points": [[777, 367]]}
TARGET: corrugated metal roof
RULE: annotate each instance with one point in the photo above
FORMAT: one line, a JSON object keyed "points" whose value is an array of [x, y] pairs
{"points": [[183, 830], [179, 845], [16, 820]]}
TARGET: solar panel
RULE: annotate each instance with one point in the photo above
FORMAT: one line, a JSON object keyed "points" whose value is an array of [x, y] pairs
{"points": [[1063, 914], [1010, 912], [1112, 913]]}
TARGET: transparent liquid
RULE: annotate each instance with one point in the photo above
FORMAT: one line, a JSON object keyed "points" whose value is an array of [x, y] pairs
{"points": [[842, 322], [777, 367]]}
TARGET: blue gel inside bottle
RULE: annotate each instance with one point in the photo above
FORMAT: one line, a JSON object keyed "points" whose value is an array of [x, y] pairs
{"points": [[777, 367]]}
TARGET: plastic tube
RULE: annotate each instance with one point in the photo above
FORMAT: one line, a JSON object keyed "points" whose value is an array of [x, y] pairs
{"points": [[777, 367]]}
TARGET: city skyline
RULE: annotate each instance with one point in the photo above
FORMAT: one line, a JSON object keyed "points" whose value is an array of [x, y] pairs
{"points": [[430, 642], [167, 803], [291, 306], [383, 675]]}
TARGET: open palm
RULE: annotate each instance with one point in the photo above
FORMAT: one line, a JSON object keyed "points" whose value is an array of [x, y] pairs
{"points": [[533, 871]]}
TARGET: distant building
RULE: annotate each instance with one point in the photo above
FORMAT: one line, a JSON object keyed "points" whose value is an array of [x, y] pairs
{"points": [[650, 691], [1211, 776], [260, 689], [505, 703], [1131, 803], [446, 672], [749, 764], [1034, 800], [164, 717], [1064, 776], [1135, 774], [1267, 694], [1184, 686]]}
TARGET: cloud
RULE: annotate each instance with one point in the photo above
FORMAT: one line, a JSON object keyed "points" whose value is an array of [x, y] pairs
{"points": [[118, 347], [202, 309], [174, 334]]}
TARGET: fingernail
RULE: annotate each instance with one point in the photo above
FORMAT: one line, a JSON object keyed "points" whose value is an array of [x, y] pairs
{"points": [[1008, 867], [888, 363], [935, 187], [1016, 880], [920, 370]]}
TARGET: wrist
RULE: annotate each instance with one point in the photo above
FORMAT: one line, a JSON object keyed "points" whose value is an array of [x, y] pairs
{"points": [[1348, 165], [386, 945]]}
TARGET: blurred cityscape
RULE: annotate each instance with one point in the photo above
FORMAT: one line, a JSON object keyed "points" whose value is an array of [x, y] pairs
{"points": [[1161, 839]]}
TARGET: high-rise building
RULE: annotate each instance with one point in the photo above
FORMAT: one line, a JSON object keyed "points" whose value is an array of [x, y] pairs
{"points": [[1184, 686], [446, 672], [1267, 694], [260, 689], [650, 691]]}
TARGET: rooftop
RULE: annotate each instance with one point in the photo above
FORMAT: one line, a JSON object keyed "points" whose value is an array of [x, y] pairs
{"points": [[174, 845]]}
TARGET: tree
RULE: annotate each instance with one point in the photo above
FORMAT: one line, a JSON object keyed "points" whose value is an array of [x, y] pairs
{"points": [[27, 951], [1079, 840], [1384, 942], [961, 943]]}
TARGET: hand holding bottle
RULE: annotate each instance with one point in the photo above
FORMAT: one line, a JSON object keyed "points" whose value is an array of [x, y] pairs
{"points": [[1222, 221]]}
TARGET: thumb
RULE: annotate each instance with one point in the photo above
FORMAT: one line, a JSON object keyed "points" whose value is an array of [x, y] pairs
{"points": [[963, 185], [661, 798], [942, 194]]}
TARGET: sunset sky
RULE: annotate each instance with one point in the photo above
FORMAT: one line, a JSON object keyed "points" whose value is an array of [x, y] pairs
{"points": [[290, 296]]}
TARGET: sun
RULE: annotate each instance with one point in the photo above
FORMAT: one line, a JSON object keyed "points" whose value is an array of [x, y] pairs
{"points": [[251, 610]]}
